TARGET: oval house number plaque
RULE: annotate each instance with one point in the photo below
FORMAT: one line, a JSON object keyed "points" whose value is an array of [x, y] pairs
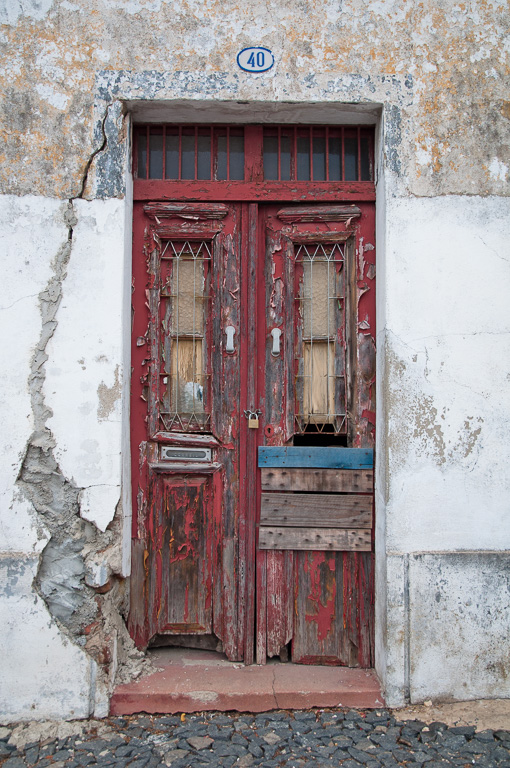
{"points": [[255, 59]]}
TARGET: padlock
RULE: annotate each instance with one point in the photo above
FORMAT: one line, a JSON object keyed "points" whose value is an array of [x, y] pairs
{"points": [[253, 421]]}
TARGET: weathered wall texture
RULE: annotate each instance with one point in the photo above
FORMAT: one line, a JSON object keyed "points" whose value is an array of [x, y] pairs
{"points": [[443, 483], [455, 54], [436, 72], [60, 469]]}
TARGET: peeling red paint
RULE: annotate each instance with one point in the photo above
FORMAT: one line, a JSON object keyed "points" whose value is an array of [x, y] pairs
{"points": [[198, 527], [324, 605]]}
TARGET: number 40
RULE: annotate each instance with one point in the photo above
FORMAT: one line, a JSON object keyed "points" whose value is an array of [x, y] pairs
{"points": [[257, 60]]}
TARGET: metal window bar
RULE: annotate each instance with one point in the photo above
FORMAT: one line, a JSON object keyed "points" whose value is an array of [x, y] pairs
{"points": [[327, 153], [342, 150], [310, 140], [164, 151], [228, 154], [146, 136], [358, 136], [213, 154], [279, 153], [294, 156], [196, 153], [330, 256], [179, 172], [197, 418]]}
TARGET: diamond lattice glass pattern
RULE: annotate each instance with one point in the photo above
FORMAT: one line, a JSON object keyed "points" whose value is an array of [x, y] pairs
{"points": [[184, 320], [320, 364]]}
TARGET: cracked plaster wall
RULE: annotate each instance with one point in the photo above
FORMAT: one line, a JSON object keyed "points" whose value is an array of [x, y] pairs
{"points": [[61, 526], [456, 54], [30, 640], [443, 449], [438, 72]]}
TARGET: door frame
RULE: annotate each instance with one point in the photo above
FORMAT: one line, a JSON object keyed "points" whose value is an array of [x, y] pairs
{"points": [[250, 194]]}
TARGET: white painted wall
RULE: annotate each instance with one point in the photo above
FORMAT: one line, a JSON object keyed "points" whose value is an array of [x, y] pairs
{"points": [[44, 674], [443, 447], [443, 437], [459, 626], [32, 230], [448, 342], [84, 372]]}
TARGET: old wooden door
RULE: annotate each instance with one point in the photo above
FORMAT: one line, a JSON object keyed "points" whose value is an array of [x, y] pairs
{"points": [[253, 400], [186, 580], [314, 587]]}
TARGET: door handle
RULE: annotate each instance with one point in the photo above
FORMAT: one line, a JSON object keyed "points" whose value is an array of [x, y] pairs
{"points": [[276, 333], [230, 330]]}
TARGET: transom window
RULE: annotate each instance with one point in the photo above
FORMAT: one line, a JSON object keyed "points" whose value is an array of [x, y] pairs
{"points": [[316, 154], [254, 153]]}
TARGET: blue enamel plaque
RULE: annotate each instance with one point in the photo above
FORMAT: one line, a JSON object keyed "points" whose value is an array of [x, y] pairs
{"points": [[255, 59]]}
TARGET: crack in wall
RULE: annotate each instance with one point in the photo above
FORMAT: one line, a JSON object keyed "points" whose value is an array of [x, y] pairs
{"points": [[88, 165], [78, 575]]}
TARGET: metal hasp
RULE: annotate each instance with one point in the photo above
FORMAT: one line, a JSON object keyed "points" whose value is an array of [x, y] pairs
{"points": [[276, 333]]}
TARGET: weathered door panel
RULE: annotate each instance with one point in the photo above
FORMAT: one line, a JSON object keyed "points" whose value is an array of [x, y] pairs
{"points": [[333, 596], [275, 562], [179, 559], [186, 398], [315, 579]]}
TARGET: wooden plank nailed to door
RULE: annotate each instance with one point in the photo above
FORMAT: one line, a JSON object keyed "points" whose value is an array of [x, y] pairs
{"points": [[326, 511], [316, 456], [317, 539], [318, 480]]}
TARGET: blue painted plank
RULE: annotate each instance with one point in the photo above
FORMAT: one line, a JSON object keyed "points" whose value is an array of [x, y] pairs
{"points": [[316, 456]]}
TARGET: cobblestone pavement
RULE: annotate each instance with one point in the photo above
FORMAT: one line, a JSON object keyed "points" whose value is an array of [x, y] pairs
{"points": [[350, 738]]}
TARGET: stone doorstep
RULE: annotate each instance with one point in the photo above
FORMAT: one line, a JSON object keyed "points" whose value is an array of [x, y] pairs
{"points": [[195, 681]]}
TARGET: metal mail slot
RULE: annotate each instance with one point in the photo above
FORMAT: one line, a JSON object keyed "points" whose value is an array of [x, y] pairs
{"points": [[185, 454]]}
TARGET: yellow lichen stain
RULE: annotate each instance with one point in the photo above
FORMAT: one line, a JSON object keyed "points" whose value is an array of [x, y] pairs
{"points": [[66, 49]]}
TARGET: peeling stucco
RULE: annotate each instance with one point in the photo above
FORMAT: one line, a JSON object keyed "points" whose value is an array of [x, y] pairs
{"points": [[83, 595], [450, 59], [108, 396], [432, 77], [470, 591], [423, 425]]}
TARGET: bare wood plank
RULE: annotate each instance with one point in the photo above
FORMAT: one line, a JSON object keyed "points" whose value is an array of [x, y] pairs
{"points": [[137, 621], [325, 480], [279, 601], [319, 539], [321, 510], [319, 213], [261, 607], [319, 634]]}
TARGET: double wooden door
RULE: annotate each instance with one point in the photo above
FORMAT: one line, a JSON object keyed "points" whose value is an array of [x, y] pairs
{"points": [[252, 413]]}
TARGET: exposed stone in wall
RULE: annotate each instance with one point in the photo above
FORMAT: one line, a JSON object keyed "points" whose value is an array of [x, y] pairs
{"points": [[79, 575], [458, 121]]}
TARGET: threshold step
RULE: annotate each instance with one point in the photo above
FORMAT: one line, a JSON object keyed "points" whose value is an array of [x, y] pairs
{"points": [[196, 681]]}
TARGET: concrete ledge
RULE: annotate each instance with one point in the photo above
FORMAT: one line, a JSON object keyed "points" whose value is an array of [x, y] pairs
{"points": [[195, 681]]}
